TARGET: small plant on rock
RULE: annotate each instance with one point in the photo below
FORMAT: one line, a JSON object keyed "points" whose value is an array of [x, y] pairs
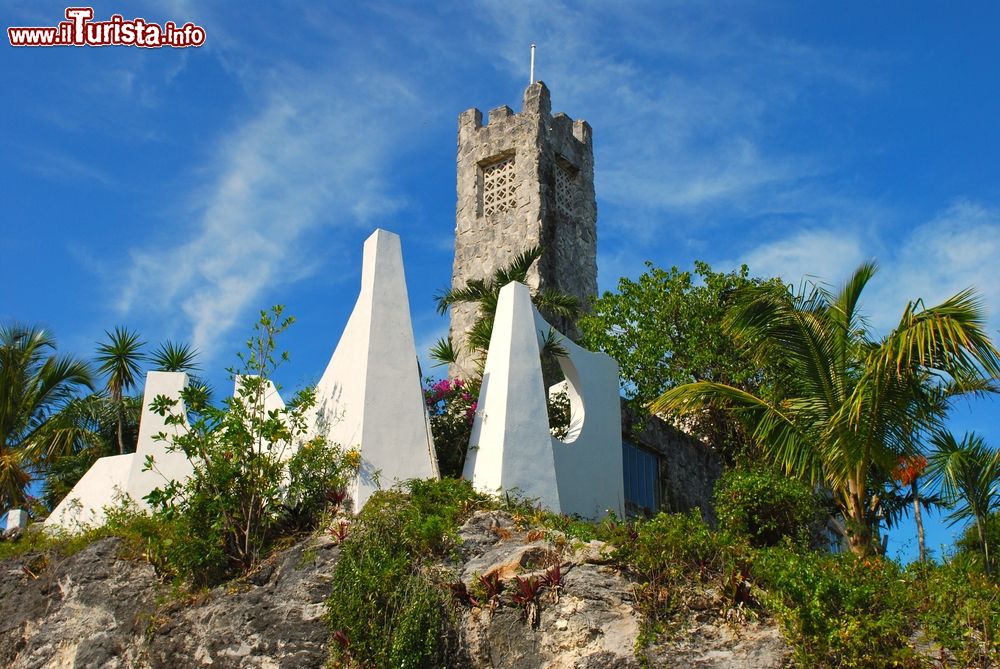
{"points": [[553, 581], [339, 531], [526, 595], [493, 586], [461, 595]]}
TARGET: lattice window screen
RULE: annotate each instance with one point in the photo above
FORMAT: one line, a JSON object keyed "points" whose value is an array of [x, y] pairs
{"points": [[565, 191], [498, 186]]}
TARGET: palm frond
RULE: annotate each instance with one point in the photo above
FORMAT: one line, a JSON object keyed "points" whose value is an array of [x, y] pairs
{"points": [[552, 344], [444, 352], [118, 359], [556, 303], [479, 336], [517, 269], [777, 428], [35, 386], [967, 472], [473, 291], [950, 337], [844, 306], [172, 357]]}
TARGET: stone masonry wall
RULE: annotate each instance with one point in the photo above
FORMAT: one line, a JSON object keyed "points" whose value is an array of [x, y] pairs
{"points": [[547, 198], [688, 467]]}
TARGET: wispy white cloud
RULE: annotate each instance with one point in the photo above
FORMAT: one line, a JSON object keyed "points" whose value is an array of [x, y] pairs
{"points": [[62, 167], [958, 248], [303, 163], [823, 255]]}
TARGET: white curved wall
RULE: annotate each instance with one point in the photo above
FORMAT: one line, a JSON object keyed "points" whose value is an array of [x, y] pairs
{"points": [[511, 446]]}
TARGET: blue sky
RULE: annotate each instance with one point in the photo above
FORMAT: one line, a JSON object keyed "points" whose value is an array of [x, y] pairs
{"points": [[179, 191]]}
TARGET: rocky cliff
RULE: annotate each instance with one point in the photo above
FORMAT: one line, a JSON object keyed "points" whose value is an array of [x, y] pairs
{"points": [[97, 609]]}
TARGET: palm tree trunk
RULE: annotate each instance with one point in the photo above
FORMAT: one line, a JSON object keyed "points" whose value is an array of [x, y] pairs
{"points": [[919, 520], [121, 438], [858, 517], [981, 528], [859, 530]]}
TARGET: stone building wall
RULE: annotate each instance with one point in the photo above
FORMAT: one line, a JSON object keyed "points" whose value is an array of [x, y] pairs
{"points": [[524, 179], [688, 468]]}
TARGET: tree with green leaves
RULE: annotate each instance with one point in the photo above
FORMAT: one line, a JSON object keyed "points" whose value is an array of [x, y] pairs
{"points": [[119, 361], [852, 403], [36, 384], [665, 329], [968, 474], [253, 470]]}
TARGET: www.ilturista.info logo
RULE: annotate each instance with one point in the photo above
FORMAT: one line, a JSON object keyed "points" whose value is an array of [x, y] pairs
{"points": [[80, 30]]}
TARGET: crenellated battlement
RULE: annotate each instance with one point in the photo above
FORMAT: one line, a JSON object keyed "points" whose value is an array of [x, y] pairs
{"points": [[536, 104], [524, 179]]}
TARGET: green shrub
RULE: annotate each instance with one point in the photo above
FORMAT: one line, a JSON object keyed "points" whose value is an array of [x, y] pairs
{"points": [[382, 605], [968, 542], [388, 608], [142, 537], [451, 409], [959, 608], [318, 477], [766, 507], [35, 540], [671, 555], [241, 496], [575, 527], [837, 610]]}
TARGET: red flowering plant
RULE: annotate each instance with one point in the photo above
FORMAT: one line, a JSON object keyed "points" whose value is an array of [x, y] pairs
{"points": [[909, 468], [451, 407]]}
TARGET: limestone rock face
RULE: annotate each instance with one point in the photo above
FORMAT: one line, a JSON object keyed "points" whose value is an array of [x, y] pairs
{"points": [[592, 624], [272, 620], [89, 610], [95, 609]]}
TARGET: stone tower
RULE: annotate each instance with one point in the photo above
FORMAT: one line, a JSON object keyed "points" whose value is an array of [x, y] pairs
{"points": [[524, 179]]}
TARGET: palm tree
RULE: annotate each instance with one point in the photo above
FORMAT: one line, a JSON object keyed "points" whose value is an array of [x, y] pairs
{"points": [[968, 473], [485, 293], [35, 385], [171, 357], [119, 359], [853, 404], [95, 420]]}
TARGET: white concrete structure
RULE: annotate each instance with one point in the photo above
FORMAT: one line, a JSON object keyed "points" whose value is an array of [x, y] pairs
{"points": [[104, 483], [17, 519], [167, 466], [370, 395], [111, 477], [511, 446], [589, 459]]}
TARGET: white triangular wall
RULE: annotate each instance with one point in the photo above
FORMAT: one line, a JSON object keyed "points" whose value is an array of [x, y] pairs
{"points": [[370, 396], [511, 446]]}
